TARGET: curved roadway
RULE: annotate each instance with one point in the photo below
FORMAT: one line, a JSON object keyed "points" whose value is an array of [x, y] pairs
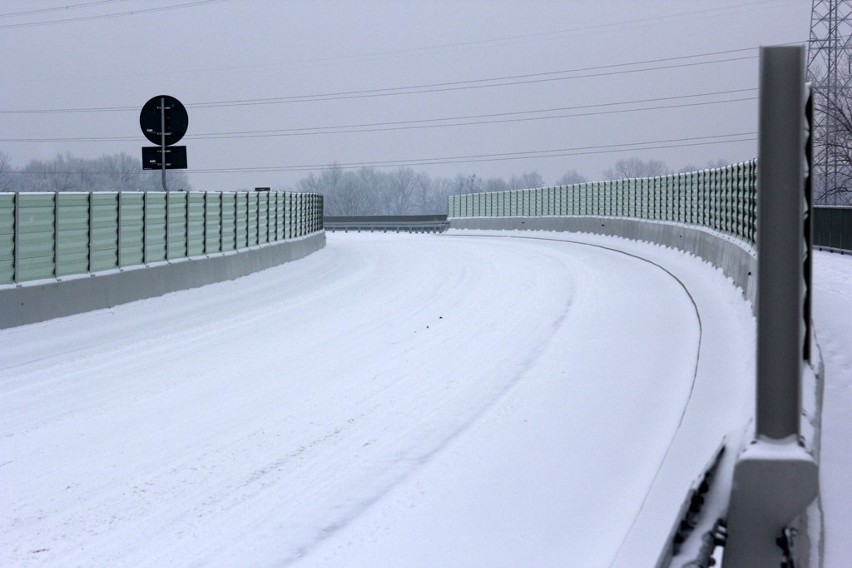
{"points": [[392, 400]]}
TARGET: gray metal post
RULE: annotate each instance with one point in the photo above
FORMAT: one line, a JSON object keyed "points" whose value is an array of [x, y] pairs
{"points": [[775, 477], [204, 225], [56, 234], [163, 141], [221, 221], [166, 228], [119, 240], [16, 242], [779, 242], [145, 227], [187, 232], [89, 263]]}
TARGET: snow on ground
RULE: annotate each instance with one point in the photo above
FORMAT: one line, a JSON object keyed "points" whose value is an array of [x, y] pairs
{"points": [[832, 305], [392, 400]]}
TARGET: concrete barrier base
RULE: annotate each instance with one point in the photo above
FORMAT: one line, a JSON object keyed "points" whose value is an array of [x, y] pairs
{"points": [[40, 300], [736, 260]]}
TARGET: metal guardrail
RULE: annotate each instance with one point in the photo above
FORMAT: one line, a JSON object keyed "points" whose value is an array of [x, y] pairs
{"points": [[832, 228], [50, 235], [388, 223]]}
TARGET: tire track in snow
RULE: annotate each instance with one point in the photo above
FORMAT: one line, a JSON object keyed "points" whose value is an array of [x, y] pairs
{"points": [[697, 354]]}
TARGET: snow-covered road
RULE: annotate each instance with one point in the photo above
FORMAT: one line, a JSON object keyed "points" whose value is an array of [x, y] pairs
{"points": [[833, 323], [392, 400]]}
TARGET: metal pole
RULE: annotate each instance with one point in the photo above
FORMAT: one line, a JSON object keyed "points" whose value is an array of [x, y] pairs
{"points": [[56, 234], [16, 249], [163, 141], [775, 477], [89, 263], [188, 248], [145, 228], [779, 242], [166, 196]]}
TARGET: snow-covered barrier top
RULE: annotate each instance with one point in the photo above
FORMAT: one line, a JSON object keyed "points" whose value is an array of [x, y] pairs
{"points": [[50, 235]]}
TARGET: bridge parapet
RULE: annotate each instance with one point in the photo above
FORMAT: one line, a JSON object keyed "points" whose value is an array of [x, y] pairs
{"points": [[54, 235], [719, 199], [140, 245]]}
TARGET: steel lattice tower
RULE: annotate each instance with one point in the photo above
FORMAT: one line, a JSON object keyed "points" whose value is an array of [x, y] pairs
{"points": [[830, 73]]}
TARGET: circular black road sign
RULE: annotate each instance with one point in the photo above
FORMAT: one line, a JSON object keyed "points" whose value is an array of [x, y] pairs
{"points": [[176, 121]]}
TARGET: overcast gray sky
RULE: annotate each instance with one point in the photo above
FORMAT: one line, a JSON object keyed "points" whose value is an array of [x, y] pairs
{"points": [[275, 88]]}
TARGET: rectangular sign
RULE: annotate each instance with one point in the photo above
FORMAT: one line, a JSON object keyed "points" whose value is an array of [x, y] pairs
{"points": [[175, 158]]}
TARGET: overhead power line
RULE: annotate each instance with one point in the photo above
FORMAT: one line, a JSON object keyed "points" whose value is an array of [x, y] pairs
{"points": [[60, 8], [501, 81], [472, 158], [107, 16], [442, 122], [357, 130], [459, 85], [610, 25]]}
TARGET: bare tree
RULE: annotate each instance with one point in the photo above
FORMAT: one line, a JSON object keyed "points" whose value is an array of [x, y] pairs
{"points": [[117, 172], [570, 178], [636, 168], [401, 190], [526, 180], [6, 182], [717, 163], [836, 148], [495, 184], [467, 184], [832, 129]]}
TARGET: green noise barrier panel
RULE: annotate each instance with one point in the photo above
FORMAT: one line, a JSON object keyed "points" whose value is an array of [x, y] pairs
{"points": [[721, 199], [54, 235]]}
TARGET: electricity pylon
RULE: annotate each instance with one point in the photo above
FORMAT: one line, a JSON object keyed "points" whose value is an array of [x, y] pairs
{"points": [[830, 73]]}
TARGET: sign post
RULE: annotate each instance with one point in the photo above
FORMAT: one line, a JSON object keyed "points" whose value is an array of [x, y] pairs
{"points": [[164, 122]]}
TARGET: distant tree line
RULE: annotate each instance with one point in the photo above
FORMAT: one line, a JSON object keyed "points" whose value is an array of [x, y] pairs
{"points": [[115, 172], [365, 191], [368, 191]]}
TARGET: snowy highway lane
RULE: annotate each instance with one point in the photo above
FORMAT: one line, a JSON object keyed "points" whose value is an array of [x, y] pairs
{"points": [[392, 400]]}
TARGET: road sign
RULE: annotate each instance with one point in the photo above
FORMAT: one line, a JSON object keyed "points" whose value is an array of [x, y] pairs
{"points": [[164, 121], [175, 158], [163, 111]]}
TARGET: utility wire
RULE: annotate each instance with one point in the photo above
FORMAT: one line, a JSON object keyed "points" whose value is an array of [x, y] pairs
{"points": [[467, 123], [653, 19], [59, 8], [492, 115], [547, 76], [459, 86], [110, 15], [315, 168], [473, 158], [468, 120], [690, 141]]}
